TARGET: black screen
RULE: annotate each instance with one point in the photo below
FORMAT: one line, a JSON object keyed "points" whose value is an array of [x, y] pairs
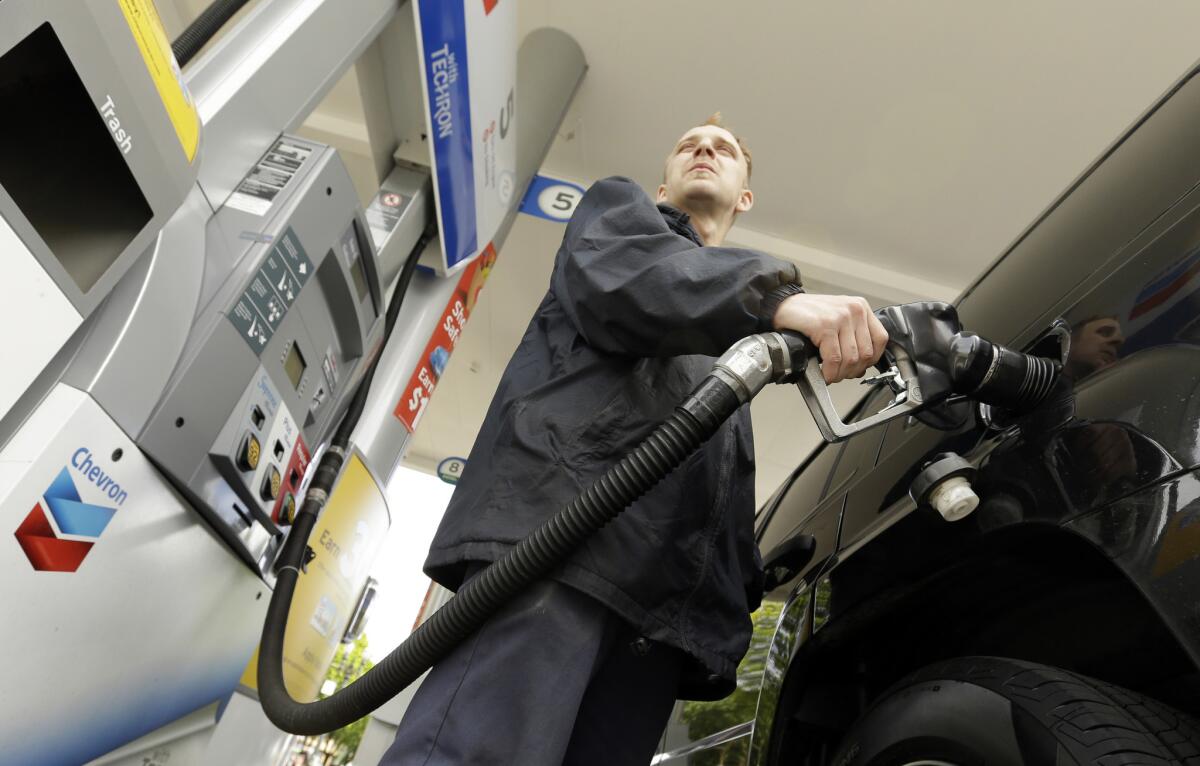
{"points": [[60, 162]]}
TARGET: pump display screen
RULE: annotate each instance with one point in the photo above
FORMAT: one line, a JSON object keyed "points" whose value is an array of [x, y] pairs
{"points": [[294, 365]]}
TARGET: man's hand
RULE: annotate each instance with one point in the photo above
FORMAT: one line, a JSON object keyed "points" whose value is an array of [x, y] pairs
{"points": [[845, 331]]}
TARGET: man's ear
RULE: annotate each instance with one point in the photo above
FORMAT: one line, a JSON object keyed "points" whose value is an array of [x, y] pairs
{"points": [[662, 193], [745, 201]]}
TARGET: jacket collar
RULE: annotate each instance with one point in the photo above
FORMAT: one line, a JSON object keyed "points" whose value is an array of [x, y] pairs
{"points": [[679, 222]]}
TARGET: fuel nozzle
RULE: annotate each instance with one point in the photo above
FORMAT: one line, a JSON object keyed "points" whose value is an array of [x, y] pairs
{"points": [[929, 360], [950, 361]]}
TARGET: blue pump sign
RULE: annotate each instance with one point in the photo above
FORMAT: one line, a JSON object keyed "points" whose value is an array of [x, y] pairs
{"points": [[551, 199], [469, 68]]}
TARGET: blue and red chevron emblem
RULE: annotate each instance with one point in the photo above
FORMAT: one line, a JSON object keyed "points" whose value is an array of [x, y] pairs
{"points": [[46, 550]]}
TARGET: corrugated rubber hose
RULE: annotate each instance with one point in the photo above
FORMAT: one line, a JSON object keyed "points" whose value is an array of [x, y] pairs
{"points": [[666, 447], [203, 29], [692, 422]]}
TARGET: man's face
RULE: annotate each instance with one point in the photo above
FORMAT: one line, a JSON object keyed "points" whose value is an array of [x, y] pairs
{"points": [[706, 171], [1095, 345]]}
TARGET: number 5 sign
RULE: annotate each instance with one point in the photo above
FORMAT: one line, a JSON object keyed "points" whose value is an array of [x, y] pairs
{"points": [[551, 199]]}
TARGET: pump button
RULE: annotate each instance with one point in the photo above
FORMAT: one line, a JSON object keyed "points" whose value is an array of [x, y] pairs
{"points": [[249, 453], [287, 514], [271, 483]]}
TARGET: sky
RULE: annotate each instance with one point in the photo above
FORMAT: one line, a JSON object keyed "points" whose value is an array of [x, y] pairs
{"points": [[416, 501]]}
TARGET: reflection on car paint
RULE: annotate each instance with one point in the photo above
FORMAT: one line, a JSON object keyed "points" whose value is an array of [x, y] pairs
{"points": [[706, 719], [821, 603]]}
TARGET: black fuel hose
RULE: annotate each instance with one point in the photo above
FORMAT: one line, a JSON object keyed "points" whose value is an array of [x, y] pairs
{"points": [[204, 28], [693, 422], [996, 375], [296, 553]]}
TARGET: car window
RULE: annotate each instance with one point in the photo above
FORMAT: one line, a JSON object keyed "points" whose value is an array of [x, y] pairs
{"points": [[801, 498]]}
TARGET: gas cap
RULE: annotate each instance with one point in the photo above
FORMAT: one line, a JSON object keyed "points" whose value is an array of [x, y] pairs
{"points": [[945, 484]]}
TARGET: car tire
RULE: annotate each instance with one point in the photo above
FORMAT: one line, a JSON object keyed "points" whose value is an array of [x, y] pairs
{"points": [[990, 710]]}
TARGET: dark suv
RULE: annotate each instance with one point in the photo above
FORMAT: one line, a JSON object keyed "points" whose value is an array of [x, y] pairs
{"points": [[1060, 621]]}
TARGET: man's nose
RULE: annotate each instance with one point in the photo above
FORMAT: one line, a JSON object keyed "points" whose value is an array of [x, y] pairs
{"points": [[704, 148]]}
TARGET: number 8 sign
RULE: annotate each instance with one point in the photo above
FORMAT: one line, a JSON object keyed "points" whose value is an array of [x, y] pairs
{"points": [[450, 469]]}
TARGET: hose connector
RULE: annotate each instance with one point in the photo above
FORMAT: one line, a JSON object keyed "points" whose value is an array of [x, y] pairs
{"points": [[756, 360], [746, 367]]}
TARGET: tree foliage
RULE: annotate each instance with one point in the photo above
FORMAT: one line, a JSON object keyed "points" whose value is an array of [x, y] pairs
{"points": [[349, 662]]}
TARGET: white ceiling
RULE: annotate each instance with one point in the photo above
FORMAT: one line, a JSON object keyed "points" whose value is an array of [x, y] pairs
{"points": [[899, 147], [913, 137]]}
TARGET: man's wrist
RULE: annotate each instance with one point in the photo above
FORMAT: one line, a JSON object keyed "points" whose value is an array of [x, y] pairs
{"points": [[773, 302]]}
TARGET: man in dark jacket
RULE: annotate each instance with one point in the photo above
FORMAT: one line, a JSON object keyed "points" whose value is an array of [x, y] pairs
{"points": [[585, 667]]}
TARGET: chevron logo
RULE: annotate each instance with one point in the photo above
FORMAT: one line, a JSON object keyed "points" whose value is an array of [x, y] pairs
{"points": [[61, 529]]}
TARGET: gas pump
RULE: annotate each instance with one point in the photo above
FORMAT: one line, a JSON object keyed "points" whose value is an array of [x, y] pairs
{"points": [[192, 296]]}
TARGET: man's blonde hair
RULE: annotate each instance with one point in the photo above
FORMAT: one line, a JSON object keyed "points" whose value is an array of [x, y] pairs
{"points": [[714, 119]]}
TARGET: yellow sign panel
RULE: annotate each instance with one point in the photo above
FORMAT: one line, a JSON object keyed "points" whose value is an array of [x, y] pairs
{"points": [[147, 28], [346, 540]]}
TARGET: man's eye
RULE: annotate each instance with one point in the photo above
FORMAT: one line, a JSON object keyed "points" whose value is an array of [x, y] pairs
{"points": [[685, 147], [727, 150]]}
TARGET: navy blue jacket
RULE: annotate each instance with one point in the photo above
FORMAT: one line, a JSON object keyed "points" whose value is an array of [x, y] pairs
{"points": [[637, 309]]}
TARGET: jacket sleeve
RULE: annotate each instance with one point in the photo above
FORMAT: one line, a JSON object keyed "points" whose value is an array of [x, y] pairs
{"points": [[632, 286]]}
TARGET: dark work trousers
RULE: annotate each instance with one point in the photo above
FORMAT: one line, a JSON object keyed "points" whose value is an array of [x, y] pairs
{"points": [[553, 678]]}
